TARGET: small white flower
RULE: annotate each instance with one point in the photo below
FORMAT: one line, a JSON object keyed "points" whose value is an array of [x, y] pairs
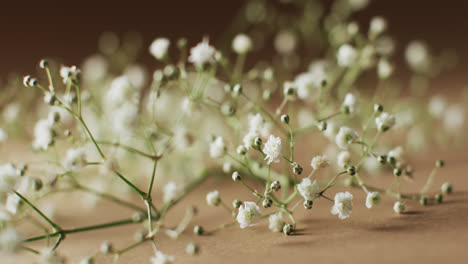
{"points": [[249, 214], [227, 167], [120, 91], [43, 135], [202, 53], [399, 207], [343, 159], [319, 162], [10, 239], [276, 222], [75, 159], [249, 138], [272, 149], [373, 198], [437, 105], [385, 121], [454, 118], [159, 48], [12, 203], [172, 191], [49, 256], [343, 205], [417, 56], [377, 26], [212, 198], [124, 119], [285, 42], [345, 137], [396, 154], [242, 44], [3, 135], [446, 187], [69, 73], [161, 258], [351, 102], [347, 55], [308, 189], [9, 176], [217, 147], [384, 69]]}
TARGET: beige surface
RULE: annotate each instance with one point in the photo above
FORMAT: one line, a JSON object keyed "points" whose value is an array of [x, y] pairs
{"points": [[431, 234]]}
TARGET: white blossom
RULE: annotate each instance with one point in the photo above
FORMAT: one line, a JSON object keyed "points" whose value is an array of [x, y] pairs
{"points": [[43, 135], [377, 26], [417, 56], [249, 138], [10, 239], [161, 258], [217, 147], [202, 53], [12, 203], [373, 198], [345, 137], [454, 118], [124, 119], [276, 222], [347, 55], [272, 149], [351, 102], [384, 69], [9, 175], [69, 73], [437, 105], [249, 214], [343, 159], [399, 207], [172, 191], [385, 121], [120, 91], [159, 48], [75, 159], [397, 155], [212, 198], [285, 42], [242, 44], [308, 189], [343, 205], [319, 162]]}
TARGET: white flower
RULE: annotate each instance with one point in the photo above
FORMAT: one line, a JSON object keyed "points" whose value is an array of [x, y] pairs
{"points": [[9, 175], [249, 214], [43, 135], [345, 137], [161, 258], [75, 159], [3, 135], [276, 222], [285, 42], [437, 105], [307, 83], [202, 53], [12, 203], [10, 239], [417, 56], [272, 149], [319, 162], [347, 55], [399, 207], [159, 48], [120, 91], [217, 147], [242, 44], [49, 256], [343, 159], [454, 118], [385, 121], [227, 167], [351, 102], [377, 26], [249, 138], [69, 74], [384, 69], [397, 155], [258, 125], [343, 205], [308, 189], [172, 191], [212, 198], [373, 198], [124, 119]]}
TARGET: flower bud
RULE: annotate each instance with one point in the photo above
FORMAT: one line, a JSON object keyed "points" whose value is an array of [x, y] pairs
{"points": [[297, 169], [198, 230], [308, 204], [266, 95], [258, 142], [267, 202], [43, 64], [397, 172], [236, 204], [237, 89], [26, 80], [236, 176], [438, 197], [228, 109], [241, 150], [322, 126], [351, 170], [446, 188], [287, 229], [106, 247], [378, 108], [440, 163], [285, 119], [382, 159], [423, 200], [192, 248], [345, 110], [275, 186]]}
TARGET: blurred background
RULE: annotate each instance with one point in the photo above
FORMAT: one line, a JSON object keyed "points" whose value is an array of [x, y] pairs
{"points": [[31, 30]]}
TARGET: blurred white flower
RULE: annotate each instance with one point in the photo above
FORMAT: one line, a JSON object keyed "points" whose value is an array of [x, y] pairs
{"points": [[43, 135], [212, 198], [347, 55], [385, 121], [343, 159], [276, 222], [217, 147], [377, 26], [242, 44], [418, 57], [399, 207], [343, 205], [345, 137], [202, 53], [308, 189], [69, 74], [285, 42], [436, 106], [3, 135], [454, 118], [351, 102], [10, 239], [319, 162], [161, 258], [159, 48], [75, 159], [172, 191], [373, 198], [384, 69], [249, 214]]}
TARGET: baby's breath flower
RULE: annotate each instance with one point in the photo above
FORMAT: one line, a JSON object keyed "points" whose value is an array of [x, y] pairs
{"points": [[373, 198], [161, 258], [350, 103], [69, 74], [75, 159], [242, 44], [454, 118], [437, 105], [272, 149], [276, 222], [343, 159], [202, 53], [345, 137], [217, 147], [87, 260], [308, 189], [399, 207], [249, 214], [343, 205], [417, 56], [275, 186], [347, 55], [395, 156], [377, 26], [43, 135], [385, 121], [50, 256], [446, 188], [159, 48], [319, 162], [172, 191], [227, 167], [212, 198], [10, 239], [384, 69]]}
